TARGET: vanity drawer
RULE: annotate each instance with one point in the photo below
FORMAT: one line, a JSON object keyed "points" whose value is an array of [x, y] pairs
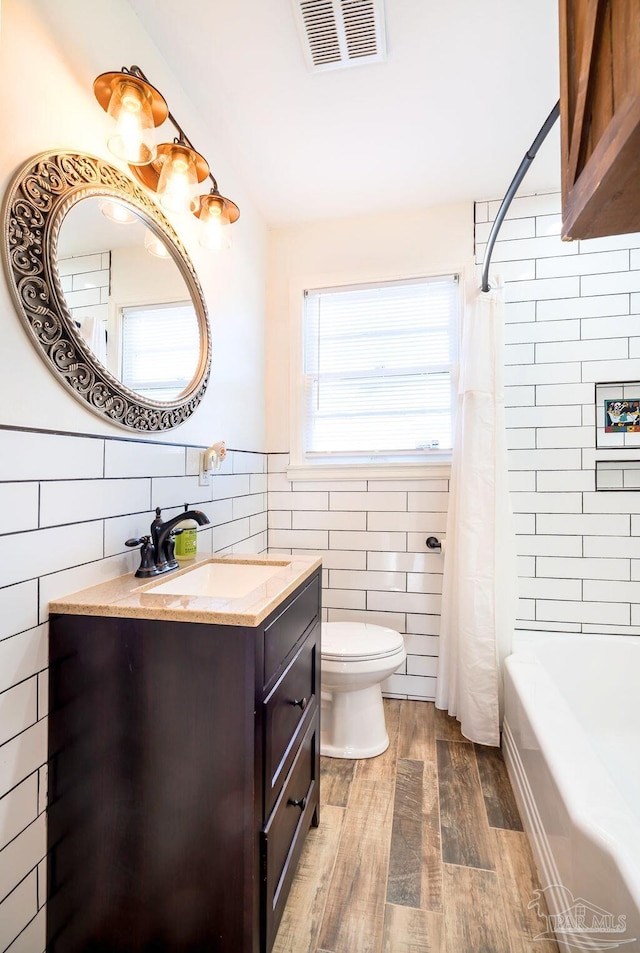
{"points": [[286, 629], [287, 709], [283, 836]]}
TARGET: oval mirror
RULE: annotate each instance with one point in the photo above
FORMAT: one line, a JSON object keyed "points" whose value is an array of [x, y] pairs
{"points": [[107, 291]]}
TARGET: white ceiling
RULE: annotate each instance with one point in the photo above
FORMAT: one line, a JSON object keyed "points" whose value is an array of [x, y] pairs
{"points": [[448, 117]]}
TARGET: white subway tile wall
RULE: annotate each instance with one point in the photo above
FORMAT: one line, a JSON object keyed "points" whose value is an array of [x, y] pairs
{"points": [[579, 315], [68, 505], [85, 282], [371, 535]]}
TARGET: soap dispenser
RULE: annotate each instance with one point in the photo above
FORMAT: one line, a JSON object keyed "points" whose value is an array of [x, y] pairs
{"points": [[187, 540]]}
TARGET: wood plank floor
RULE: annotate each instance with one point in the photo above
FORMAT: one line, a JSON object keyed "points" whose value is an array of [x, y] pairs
{"points": [[420, 850]]}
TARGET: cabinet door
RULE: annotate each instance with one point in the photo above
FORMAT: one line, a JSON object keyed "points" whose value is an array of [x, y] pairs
{"points": [[151, 836]]}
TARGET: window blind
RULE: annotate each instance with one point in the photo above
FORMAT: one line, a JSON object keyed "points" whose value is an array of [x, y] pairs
{"points": [[378, 365], [160, 349]]}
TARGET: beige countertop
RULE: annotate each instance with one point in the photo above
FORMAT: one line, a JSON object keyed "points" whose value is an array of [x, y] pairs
{"points": [[133, 598]]}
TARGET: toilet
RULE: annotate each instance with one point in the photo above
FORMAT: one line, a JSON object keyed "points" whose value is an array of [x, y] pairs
{"points": [[356, 659]]}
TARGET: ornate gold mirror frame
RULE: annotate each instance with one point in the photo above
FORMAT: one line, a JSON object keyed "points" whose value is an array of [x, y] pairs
{"points": [[36, 203]]}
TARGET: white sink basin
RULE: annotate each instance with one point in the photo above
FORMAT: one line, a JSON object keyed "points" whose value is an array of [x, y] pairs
{"points": [[223, 579]]}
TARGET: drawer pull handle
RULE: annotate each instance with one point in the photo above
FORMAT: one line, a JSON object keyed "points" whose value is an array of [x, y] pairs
{"points": [[300, 702], [301, 803]]}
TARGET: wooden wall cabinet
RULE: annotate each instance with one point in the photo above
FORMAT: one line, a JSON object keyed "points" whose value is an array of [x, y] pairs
{"points": [[600, 117], [183, 778]]}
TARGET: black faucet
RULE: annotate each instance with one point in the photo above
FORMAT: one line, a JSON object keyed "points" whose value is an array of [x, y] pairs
{"points": [[157, 549]]}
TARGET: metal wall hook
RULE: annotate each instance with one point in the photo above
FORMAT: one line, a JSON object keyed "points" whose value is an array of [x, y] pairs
{"points": [[433, 543]]}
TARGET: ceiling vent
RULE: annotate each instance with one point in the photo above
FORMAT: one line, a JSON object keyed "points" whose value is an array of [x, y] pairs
{"points": [[340, 33]]}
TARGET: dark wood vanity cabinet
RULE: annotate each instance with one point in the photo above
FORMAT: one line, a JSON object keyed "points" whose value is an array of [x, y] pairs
{"points": [[183, 777]]}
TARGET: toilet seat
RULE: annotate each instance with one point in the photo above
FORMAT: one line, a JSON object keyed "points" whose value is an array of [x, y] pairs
{"points": [[358, 641]]}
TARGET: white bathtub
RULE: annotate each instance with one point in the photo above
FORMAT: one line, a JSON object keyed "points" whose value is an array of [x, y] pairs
{"points": [[571, 742]]}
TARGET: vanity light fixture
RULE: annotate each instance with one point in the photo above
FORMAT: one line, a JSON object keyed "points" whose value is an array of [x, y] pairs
{"points": [[173, 170], [135, 108], [117, 213], [213, 212], [154, 245], [179, 178]]}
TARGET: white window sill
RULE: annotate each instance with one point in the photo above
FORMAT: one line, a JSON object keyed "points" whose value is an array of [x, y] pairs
{"points": [[438, 470]]}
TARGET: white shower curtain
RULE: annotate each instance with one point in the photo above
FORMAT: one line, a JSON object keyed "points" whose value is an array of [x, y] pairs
{"points": [[480, 576]]}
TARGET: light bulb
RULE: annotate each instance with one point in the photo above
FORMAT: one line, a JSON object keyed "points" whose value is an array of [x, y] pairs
{"points": [[133, 138], [215, 233], [116, 212], [178, 180], [154, 245]]}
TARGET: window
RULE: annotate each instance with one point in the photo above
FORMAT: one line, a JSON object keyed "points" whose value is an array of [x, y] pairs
{"points": [[160, 349], [378, 371]]}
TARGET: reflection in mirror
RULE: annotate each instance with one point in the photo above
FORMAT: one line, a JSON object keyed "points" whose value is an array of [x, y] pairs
{"points": [[128, 298], [160, 345]]}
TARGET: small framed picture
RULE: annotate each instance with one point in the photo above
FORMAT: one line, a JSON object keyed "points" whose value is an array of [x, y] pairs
{"points": [[622, 416], [617, 415]]}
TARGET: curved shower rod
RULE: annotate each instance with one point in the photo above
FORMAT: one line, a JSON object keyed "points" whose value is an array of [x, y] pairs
{"points": [[513, 188]]}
